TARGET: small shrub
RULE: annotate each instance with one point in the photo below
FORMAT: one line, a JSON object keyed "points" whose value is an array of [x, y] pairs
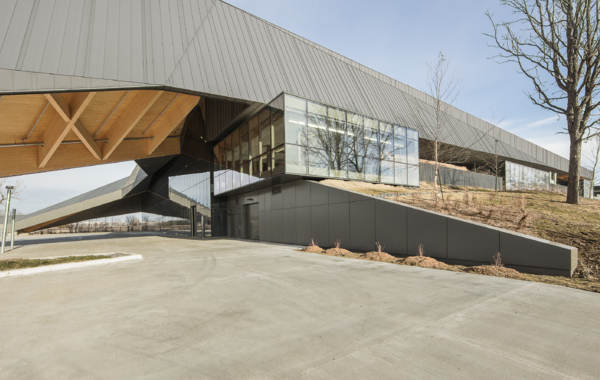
{"points": [[497, 259]]}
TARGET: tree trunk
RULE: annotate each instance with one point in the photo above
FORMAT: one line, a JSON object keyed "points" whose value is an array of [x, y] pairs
{"points": [[574, 159], [436, 170]]}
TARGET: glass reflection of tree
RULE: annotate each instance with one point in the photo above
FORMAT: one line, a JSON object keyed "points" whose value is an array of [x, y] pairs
{"points": [[384, 144], [358, 146], [336, 139]]}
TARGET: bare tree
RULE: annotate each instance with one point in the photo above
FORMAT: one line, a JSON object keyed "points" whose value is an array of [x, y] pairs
{"points": [[443, 89], [145, 221], [132, 222], [556, 45], [73, 227]]}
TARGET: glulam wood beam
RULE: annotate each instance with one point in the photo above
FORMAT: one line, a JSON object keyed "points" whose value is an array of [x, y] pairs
{"points": [[170, 119], [68, 116], [120, 127]]}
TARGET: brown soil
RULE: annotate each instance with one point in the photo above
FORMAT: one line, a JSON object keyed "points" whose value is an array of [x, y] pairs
{"points": [[313, 249], [490, 270], [381, 256], [338, 252], [425, 262], [494, 270]]}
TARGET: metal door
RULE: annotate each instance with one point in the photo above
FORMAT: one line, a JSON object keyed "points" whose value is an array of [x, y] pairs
{"points": [[251, 222]]}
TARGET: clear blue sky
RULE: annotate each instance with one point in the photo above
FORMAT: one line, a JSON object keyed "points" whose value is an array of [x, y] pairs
{"points": [[397, 38]]}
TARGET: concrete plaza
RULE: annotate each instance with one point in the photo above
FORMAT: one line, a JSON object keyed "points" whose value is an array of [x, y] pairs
{"points": [[239, 309]]}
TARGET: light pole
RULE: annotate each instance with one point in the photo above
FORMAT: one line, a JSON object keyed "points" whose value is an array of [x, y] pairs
{"points": [[9, 190], [12, 229]]}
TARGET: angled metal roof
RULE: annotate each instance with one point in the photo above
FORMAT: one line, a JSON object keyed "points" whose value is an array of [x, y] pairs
{"points": [[123, 196], [211, 47]]}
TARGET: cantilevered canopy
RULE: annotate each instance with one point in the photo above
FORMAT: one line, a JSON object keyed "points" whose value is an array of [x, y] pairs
{"points": [[41, 132], [211, 48]]}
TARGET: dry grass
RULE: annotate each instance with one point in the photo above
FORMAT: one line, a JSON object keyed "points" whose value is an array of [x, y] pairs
{"points": [[425, 262], [11, 264], [545, 215], [380, 255], [313, 247]]}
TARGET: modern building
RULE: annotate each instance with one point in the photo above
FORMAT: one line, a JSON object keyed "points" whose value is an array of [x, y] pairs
{"points": [[200, 86]]}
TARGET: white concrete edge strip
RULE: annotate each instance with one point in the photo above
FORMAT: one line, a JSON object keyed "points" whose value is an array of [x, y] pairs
{"points": [[58, 267]]}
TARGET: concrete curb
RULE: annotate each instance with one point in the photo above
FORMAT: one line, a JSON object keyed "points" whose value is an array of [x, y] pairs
{"points": [[58, 267]]}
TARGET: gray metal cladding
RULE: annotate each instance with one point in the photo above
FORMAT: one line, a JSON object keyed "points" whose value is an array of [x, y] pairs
{"points": [[211, 47], [327, 214]]}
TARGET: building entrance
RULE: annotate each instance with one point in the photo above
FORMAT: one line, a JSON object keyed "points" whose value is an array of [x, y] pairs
{"points": [[251, 221]]}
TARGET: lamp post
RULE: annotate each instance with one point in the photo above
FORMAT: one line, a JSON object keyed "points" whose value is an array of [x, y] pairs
{"points": [[12, 229], [9, 190]]}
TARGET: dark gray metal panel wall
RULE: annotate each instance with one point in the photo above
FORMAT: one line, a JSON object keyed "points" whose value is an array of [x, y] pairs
{"points": [[219, 114], [306, 210]]}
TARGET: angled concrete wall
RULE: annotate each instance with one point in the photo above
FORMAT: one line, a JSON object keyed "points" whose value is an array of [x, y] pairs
{"points": [[297, 212]]}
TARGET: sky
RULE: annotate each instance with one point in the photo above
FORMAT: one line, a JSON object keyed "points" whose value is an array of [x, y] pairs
{"points": [[399, 38]]}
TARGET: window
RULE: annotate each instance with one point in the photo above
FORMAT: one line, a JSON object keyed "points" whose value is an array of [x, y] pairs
{"points": [[412, 151], [371, 142], [318, 162], [255, 170], [317, 109], [372, 169], [337, 148], [386, 141], [264, 123], [254, 137], [228, 153], [277, 127], [296, 136], [235, 146], [296, 159], [265, 165], [317, 131], [278, 164], [401, 173], [387, 172], [399, 143], [336, 114], [244, 142], [353, 118], [295, 127], [355, 151], [217, 153], [292, 102]]}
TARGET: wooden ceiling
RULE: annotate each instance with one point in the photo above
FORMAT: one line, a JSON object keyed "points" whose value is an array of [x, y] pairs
{"points": [[41, 132]]}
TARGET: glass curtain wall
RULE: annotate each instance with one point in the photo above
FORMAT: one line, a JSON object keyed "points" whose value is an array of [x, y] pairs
{"points": [[311, 139], [521, 177], [254, 151], [325, 141], [196, 187]]}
